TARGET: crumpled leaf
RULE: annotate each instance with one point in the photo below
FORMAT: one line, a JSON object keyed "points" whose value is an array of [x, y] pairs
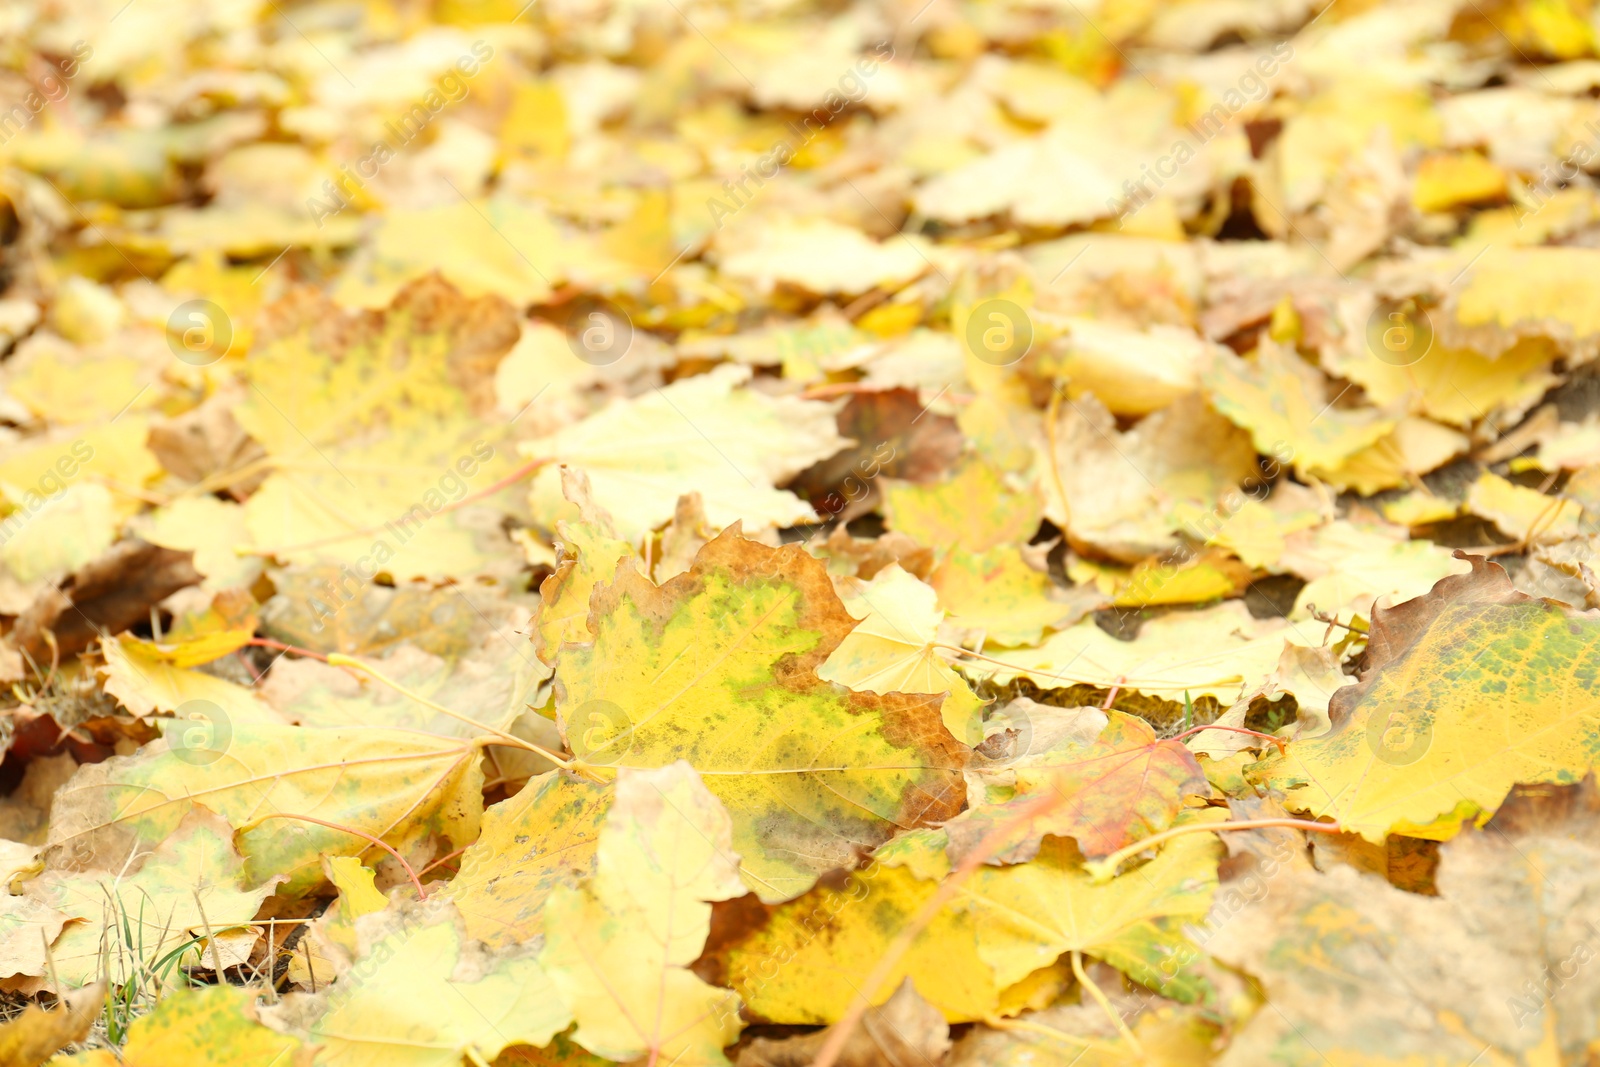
{"points": [[590, 552], [718, 667], [1284, 401], [1123, 489], [891, 650], [147, 679]]}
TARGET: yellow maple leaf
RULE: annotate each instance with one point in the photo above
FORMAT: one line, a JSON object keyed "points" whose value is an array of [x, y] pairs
{"points": [[1004, 924], [701, 434], [537, 840], [208, 1026], [717, 667], [1469, 689], [372, 426], [420, 994], [891, 650], [618, 947], [941, 514], [1283, 400]]}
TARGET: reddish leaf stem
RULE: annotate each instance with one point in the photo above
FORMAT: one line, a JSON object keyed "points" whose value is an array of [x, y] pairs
{"points": [[267, 642], [422, 894], [1283, 746]]}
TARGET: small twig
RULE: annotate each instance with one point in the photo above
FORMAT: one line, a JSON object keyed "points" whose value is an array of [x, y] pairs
{"points": [[211, 938], [1331, 620], [446, 858]]}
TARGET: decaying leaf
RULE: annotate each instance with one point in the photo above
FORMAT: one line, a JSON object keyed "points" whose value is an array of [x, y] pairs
{"points": [[1495, 965], [38, 1034]]}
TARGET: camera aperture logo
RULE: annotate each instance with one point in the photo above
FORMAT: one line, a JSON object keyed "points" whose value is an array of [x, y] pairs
{"points": [[600, 732], [199, 733]]}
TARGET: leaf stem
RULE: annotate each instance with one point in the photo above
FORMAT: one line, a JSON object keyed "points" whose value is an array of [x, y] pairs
{"points": [[422, 894], [1283, 746], [511, 479], [1104, 1001], [991, 843], [267, 642], [339, 659], [1105, 869]]}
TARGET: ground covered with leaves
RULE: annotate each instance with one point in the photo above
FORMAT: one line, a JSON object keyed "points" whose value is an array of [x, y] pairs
{"points": [[909, 532]]}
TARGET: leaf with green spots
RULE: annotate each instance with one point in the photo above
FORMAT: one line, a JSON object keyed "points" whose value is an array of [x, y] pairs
{"points": [[807, 961], [373, 425], [541, 838], [719, 667], [941, 515], [1468, 690]]}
